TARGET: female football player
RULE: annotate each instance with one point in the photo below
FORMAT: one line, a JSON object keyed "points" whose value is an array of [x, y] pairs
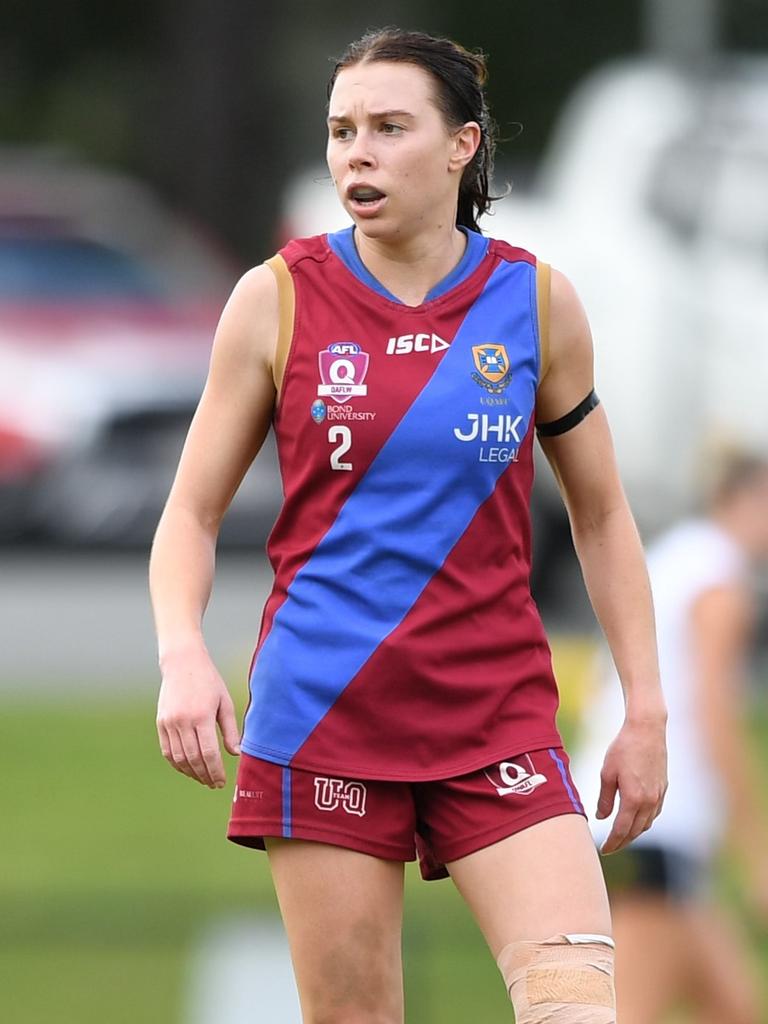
{"points": [[402, 700]]}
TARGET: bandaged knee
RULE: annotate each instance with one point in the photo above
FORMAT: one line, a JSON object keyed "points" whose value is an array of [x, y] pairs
{"points": [[567, 979]]}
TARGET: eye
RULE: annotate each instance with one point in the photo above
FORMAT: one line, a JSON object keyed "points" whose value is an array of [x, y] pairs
{"points": [[342, 133], [391, 129]]}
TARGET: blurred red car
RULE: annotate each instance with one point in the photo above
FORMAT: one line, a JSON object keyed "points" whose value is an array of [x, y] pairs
{"points": [[108, 306]]}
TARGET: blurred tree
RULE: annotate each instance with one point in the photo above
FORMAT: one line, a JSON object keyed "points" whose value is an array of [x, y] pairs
{"points": [[745, 24], [688, 30], [215, 133], [537, 51], [218, 103]]}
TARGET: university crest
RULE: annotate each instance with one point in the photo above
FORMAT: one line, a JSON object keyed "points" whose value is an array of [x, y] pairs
{"points": [[493, 363]]}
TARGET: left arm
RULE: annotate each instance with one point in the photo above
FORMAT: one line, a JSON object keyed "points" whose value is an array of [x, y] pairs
{"points": [[610, 553]]}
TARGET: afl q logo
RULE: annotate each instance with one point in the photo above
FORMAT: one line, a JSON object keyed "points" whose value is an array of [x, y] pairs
{"points": [[343, 366]]}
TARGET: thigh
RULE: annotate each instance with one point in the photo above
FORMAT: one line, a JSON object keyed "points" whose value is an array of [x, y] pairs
{"points": [[652, 958], [541, 881], [342, 911]]}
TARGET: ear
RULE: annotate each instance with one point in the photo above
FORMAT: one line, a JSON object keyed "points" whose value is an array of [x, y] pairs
{"points": [[464, 143]]}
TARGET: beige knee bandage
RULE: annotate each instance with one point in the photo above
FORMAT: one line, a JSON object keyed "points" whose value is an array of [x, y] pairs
{"points": [[567, 979]]}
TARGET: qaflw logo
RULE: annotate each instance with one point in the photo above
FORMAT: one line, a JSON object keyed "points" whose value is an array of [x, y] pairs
{"points": [[509, 777], [329, 793], [415, 343]]}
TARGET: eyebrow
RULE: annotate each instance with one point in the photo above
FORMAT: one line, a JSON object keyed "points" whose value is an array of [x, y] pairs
{"points": [[377, 115]]}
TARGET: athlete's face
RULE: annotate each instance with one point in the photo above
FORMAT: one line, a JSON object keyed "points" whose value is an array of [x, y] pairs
{"points": [[395, 162]]}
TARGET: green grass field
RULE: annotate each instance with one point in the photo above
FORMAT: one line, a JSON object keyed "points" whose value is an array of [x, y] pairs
{"points": [[111, 865]]}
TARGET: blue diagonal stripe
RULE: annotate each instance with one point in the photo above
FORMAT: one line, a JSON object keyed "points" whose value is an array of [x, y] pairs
{"points": [[396, 528]]}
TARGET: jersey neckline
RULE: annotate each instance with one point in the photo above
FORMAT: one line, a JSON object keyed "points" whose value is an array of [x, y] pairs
{"points": [[342, 244]]}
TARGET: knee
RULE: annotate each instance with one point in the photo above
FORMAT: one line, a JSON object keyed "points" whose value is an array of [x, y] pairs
{"points": [[351, 1015], [360, 985], [377, 1005], [567, 979]]}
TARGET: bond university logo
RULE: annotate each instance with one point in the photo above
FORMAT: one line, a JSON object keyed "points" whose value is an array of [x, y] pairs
{"points": [[343, 366], [510, 777], [492, 366], [332, 793]]}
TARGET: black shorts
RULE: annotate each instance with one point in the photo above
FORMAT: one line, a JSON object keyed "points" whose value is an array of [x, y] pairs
{"points": [[657, 869]]}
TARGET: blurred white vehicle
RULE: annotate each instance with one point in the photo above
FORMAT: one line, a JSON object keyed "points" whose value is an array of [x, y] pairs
{"points": [[108, 306], [653, 198]]}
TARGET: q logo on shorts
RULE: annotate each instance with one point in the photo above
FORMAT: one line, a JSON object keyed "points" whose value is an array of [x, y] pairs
{"points": [[343, 366], [514, 778]]}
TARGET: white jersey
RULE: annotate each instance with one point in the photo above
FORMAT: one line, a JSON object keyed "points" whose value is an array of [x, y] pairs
{"points": [[691, 558]]}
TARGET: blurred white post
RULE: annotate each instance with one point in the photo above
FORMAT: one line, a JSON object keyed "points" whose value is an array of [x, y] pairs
{"points": [[682, 30], [241, 972]]}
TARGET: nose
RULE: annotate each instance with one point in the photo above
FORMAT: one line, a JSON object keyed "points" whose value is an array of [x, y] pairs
{"points": [[359, 153]]}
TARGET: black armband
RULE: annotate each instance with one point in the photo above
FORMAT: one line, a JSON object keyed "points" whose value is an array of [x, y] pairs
{"points": [[571, 419]]}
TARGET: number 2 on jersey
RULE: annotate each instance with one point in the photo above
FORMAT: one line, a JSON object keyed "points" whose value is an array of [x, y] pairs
{"points": [[345, 435]]}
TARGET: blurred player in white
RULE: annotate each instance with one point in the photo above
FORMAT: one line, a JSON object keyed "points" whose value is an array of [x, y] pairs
{"points": [[675, 941]]}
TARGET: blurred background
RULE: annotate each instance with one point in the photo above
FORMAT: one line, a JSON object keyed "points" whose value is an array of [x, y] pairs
{"points": [[149, 154]]}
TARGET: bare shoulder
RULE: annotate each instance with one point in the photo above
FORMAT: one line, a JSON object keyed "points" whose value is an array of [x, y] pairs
{"points": [[570, 334], [569, 377], [237, 401], [248, 327]]}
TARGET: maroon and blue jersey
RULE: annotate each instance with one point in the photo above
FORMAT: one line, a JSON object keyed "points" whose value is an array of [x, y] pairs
{"points": [[400, 639]]}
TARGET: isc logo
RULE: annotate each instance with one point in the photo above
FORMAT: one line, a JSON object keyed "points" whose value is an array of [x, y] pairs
{"points": [[415, 343], [329, 793]]}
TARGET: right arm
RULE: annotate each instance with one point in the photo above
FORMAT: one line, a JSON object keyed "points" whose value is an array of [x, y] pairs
{"points": [[225, 435]]}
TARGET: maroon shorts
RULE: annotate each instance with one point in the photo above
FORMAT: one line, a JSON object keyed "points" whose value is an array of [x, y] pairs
{"points": [[438, 821]]}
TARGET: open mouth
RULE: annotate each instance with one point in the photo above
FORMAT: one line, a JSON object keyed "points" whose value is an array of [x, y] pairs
{"points": [[365, 197]]}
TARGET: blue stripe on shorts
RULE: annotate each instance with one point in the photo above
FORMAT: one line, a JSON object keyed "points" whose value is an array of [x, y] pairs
{"points": [[569, 788], [287, 823]]}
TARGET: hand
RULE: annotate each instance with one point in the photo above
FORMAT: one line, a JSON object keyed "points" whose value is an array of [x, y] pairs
{"points": [[635, 765], [193, 700]]}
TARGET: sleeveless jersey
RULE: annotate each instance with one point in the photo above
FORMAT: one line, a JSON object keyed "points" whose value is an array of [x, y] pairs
{"points": [[400, 639], [691, 558]]}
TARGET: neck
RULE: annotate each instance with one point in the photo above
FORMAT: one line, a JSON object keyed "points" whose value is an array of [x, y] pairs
{"points": [[410, 267]]}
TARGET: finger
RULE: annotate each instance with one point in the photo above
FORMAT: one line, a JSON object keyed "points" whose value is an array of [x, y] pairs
{"points": [[178, 758], [607, 797], [633, 819], [660, 802], [210, 754], [165, 743], [228, 726], [188, 739], [618, 836], [641, 824]]}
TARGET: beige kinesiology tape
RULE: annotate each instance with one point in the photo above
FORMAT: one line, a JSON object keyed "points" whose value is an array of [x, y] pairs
{"points": [[567, 979]]}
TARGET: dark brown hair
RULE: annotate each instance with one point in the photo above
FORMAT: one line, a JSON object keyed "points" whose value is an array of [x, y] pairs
{"points": [[459, 77]]}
